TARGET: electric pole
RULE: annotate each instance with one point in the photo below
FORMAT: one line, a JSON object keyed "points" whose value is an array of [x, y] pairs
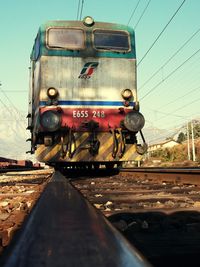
{"points": [[188, 140], [193, 145]]}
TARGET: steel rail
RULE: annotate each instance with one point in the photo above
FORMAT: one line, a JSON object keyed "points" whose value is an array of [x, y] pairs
{"points": [[64, 229], [176, 175], [19, 169]]}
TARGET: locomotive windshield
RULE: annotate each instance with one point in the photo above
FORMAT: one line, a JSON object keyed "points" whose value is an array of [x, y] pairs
{"points": [[65, 38], [111, 40]]}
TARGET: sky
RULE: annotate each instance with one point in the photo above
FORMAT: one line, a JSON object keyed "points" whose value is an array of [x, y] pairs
{"points": [[167, 46]]}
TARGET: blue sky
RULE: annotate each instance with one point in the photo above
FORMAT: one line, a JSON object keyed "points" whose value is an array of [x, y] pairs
{"points": [[175, 95]]}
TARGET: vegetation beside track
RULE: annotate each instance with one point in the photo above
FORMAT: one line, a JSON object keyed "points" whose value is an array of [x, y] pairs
{"points": [[175, 156]]}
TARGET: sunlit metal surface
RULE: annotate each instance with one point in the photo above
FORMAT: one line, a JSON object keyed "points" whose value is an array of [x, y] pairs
{"points": [[65, 230]]}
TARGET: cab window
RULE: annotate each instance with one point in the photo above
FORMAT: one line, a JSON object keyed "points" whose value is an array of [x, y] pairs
{"points": [[65, 38], [111, 40]]}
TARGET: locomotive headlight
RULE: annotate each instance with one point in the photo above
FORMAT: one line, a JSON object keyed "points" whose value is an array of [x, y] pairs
{"points": [[50, 120], [127, 94], [52, 92], [88, 21], [134, 121]]}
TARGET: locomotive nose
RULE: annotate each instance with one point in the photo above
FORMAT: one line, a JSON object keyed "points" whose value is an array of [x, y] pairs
{"points": [[134, 121]]}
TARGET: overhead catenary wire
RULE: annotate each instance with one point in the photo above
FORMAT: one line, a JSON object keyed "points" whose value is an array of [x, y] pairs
{"points": [[158, 137], [8, 98], [160, 34], [171, 132], [11, 103], [81, 9], [174, 115], [9, 111], [78, 9], [178, 117], [4, 106], [13, 129], [158, 110], [170, 74], [174, 130], [16, 91], [173, 55], [152, 139], [186, 105], [133, 12], [142, 15], [165, 113], [180, 97], [17, 111]]}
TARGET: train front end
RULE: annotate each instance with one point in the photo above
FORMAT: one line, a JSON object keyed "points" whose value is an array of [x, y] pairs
{"points": [[83, 106]]}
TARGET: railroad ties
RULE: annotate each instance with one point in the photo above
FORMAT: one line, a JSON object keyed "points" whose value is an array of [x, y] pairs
{"points": [[64, 229], [157, 210]]}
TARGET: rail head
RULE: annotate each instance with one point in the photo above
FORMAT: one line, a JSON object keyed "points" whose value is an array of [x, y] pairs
{"points": [[66, 230], [163, 170], [175, 175]]}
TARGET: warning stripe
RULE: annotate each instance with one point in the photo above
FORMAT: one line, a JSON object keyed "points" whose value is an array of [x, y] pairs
{"points": [[52, 153], [81, 141], [105, 146], [41, 149]]}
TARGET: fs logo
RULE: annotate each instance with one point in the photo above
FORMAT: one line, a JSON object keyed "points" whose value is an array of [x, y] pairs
{"points": [[88, 70]]}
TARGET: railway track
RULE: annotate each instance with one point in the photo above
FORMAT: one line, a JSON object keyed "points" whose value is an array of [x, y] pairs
{"points": [[156, 210], [65, 230], [18, 169], [133, 190]]}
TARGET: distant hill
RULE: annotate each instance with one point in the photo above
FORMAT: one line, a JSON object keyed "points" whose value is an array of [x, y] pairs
{"points": [[13, 134]]}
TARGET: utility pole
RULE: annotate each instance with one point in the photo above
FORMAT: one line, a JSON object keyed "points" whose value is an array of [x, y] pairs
{"points": [[193, 146], [188, 140]]}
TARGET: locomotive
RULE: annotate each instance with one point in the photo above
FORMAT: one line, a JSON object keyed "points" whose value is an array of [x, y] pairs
{"points": [[83, 104]]}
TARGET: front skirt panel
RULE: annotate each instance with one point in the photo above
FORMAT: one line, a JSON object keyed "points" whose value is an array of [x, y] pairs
{"points": [[79, 150]]}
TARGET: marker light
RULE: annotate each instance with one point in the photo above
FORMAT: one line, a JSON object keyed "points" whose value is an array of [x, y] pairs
{"points": [[52, 92], [88, 21], [127, 94]]}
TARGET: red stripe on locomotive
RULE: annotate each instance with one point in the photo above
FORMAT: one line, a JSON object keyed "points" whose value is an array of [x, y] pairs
{"points": [[77, 118]]}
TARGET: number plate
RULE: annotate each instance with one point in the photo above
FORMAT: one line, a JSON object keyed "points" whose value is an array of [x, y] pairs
{"points": [[87, 114]]}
